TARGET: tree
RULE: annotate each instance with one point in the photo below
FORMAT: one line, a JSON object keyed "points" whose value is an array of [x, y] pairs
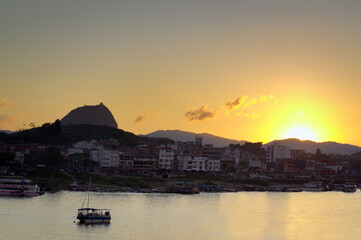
{"points": [[53, 129], [51, 157], [319, 156]]}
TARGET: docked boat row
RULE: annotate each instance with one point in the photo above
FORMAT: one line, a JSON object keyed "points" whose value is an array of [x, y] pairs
{"points": [[19, 187]]}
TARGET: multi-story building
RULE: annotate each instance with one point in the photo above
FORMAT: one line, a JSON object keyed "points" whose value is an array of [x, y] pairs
{"points": [[144, 164], [189, 163], [105, 158], [125, 162], [212, 153], [198, 164], [213, 165], [277, 151], [166, 159]]}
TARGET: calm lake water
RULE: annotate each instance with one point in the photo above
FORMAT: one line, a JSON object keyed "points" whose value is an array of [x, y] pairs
{"points": [[243, 215]]}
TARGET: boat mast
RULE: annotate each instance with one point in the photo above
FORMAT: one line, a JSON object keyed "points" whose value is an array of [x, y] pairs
{"points": [[87, 193], [90, 178]]}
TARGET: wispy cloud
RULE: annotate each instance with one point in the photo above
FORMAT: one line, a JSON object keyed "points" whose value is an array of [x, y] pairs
{"points": [[241, 106], [5, 120], [236, 104], [253, 115], [3, 103], [199, 114], [139, 119], [244, 102], [251, 102]]}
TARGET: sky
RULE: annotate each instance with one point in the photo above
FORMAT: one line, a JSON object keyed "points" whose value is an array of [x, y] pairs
{"points": [[254, 70]]}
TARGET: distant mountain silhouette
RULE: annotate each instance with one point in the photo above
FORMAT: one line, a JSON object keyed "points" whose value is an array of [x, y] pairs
{"points": [[178, 135], [311, 147], [73, 133], [94, 115]]}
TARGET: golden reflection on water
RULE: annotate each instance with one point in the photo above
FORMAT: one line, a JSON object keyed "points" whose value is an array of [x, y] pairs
{"points": [[243, 215]]}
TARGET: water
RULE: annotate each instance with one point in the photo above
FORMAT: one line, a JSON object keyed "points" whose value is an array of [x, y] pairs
{"points": [[243, 215]]}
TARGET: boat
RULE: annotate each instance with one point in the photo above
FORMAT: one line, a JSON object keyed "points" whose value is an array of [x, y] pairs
{"points": [[313, 186], [92, 215], [19, 187], [291, 189], [183, 188], [349, 187]]}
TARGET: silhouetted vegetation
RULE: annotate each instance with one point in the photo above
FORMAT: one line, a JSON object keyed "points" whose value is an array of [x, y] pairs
{"points": [[66, 135], [49, 157]]}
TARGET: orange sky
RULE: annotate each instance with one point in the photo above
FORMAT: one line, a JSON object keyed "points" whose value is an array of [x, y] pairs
{"points": [[247, 70]]}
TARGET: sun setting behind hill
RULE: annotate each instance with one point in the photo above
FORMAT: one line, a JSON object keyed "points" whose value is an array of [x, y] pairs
{"points": [[254, 70]]}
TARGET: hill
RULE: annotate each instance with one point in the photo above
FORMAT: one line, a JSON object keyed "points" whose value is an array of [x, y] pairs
{"points": [[178, 135], [94, 115], [66, 135], [325, 147]]}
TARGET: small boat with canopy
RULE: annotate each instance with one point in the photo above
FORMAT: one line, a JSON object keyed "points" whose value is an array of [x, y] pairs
{"points": [[92, 215]]}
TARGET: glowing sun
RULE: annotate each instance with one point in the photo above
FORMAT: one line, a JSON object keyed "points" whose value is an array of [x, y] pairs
{"points": [[301, 133]]}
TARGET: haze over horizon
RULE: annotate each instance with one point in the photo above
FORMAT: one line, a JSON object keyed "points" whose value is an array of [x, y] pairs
{"points": [[248, 70]]}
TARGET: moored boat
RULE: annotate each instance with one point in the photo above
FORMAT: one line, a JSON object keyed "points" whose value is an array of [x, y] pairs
{"points": [[313, 186], [349, 187], [18, 187], [92, 215]]}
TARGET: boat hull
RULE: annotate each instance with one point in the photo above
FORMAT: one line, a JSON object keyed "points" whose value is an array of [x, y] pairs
{"points": [[7, 192], [91, 220]]}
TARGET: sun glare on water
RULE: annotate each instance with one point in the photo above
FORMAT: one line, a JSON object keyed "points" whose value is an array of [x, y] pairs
{"points": [[301, 133]]}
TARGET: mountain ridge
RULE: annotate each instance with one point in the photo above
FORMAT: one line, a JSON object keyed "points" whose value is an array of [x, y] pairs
{"points": [[179, 135], [328, 147]]}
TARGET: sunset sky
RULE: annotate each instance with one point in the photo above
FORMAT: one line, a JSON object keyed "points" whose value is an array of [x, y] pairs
{"points": [[254, 70]]}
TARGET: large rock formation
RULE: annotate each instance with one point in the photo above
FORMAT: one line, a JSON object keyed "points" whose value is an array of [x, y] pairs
{"points": [[94, 115]]}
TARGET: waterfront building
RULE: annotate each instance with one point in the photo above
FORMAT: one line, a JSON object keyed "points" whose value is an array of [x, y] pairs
{"points": [[166, 158], [125, 162], [144, 164], [190, 163], [213, 165], [277, 151], [106, 158]]}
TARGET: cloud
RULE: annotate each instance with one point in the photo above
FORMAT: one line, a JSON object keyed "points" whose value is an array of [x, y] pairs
{"points": [[199, 114], [244, 102], [5, 120], [250, 102], [4, 103], [139, 119], [264, 98], [236, 104], [253, 115], [240, 107]]}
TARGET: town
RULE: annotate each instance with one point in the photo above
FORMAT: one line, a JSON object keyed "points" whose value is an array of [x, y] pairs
{"points": [[249, 164]]}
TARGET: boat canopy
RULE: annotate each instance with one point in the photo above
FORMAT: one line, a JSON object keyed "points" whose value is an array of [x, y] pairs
{"points": [[92, 209]]}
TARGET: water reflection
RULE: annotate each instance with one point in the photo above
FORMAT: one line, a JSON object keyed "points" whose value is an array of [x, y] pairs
{"points": [[244, 215]]}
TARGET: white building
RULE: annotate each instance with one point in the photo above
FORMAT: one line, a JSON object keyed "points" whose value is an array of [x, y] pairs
{"points": [[213, 165], [188, 163], [277, 151], [105, 158], [166, 158]]}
